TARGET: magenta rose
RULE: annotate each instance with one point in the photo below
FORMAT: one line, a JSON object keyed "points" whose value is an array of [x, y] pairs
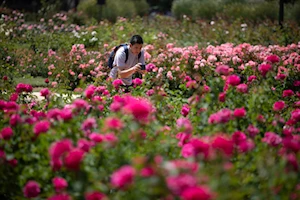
{"points": [[45, 92], [223, 144], [239, 112], [278, 106], [59, 184], [6, 133], [41, 127], [123, 176], [95, 195], [73, 159], [31, 189], [264, 69], [233, 80], [197, 192]]}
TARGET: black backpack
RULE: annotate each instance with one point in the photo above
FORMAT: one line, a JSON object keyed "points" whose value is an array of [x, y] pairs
{"points": [[113, 53]]}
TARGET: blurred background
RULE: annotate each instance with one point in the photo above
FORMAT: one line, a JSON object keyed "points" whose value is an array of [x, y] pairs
{"points": [[93, 11]]}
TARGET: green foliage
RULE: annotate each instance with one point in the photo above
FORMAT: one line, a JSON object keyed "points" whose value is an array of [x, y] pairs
{"points": [[231, 10], [114, 9]]}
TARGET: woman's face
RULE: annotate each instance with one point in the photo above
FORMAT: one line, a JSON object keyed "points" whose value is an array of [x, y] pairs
{"points": [[136, 48]]}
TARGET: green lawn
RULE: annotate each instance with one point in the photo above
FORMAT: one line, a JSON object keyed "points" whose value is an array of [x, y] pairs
{"points": [[35, 82]]}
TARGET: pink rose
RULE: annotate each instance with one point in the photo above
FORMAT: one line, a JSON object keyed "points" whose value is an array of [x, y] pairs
{"points": [[89, 92], [15, 119], [95, 195], [117, 83], [242, 88], [222, 97], [41, 127], [113, 123], [273, 59], [224, 144], [197, 192], [6, 133], [137, 82], [223, 70], [185, 110], [287, 93], [59, 184], [238, 137], [177, 184], [239, 112], [31, 189], [233, 80], [278, 106], [123, 176], [139, 108], [73, 159], [45, 92], [264, 69], [14, 97], [272, 139]]}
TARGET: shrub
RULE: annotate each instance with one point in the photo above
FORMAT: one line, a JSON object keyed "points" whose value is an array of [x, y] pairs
{"points": [[114, 9]]}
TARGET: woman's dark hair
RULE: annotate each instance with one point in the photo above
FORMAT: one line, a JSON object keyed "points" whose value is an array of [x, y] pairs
{"points": [[136, 39]]}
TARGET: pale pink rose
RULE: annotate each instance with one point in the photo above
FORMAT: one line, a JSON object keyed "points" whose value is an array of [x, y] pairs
{"points": [[54, 84]]}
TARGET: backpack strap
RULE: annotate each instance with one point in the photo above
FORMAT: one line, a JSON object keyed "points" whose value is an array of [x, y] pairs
{"points": [[126, 52]]}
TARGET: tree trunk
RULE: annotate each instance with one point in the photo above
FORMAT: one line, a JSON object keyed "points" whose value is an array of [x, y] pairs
{"points": [[281, 12]]}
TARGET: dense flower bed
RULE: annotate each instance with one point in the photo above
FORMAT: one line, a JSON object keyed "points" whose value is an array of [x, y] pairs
{"points": [[214, 122]]}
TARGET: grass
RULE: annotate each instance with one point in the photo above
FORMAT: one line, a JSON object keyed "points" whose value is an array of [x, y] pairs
{"points": [[36, 82]]}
